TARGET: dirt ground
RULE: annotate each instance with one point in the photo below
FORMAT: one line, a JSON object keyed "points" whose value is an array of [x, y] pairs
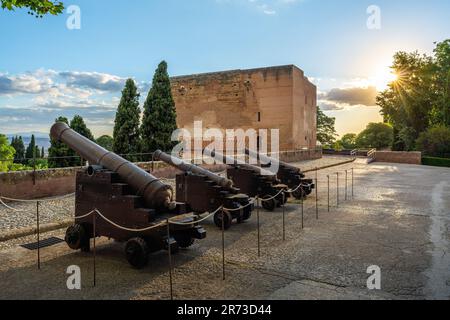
{"points": [[399, 220]]}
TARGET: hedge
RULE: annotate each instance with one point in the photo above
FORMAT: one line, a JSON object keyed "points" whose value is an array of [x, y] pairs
{"points": [[436, 162]]}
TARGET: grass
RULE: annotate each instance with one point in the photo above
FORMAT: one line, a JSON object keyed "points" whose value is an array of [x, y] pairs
{"points": [[436, 162]]}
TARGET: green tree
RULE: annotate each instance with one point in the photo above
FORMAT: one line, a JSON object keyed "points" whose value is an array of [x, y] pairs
{"points": [[326, 133], [59, 152], [31, 148], [419, 98], [18, 145], [376, 135], [6, 154], [348, 141], [78, 125], [38, 8], [42, 153], [126, 124], [159, 119], [106, 142], [435, 142]]}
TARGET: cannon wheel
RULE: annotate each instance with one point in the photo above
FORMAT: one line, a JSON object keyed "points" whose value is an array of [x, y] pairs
{"points": [[299, 194], [77, 238], [227, 219], [184, 240], [136, 251], [269, 205]]}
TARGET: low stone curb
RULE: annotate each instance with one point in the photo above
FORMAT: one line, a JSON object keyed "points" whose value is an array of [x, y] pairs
{"points": [[28, 231], [331, 165]]}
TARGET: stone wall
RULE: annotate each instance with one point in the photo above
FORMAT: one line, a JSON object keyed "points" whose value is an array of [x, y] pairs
{"points": [[265, 98], [57, 182], [398, 157]]}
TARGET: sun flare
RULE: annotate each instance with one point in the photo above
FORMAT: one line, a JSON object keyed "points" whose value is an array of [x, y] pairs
{"points": [[383, 78]]}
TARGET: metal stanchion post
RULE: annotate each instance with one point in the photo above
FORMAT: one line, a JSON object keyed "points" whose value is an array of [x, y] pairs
{"points": [[328, 178], [337, 189], [38, 236], [258, 225], [94, 223], [223, 244], [346, 182], [352, 183], [317, 196], [170, 258], [284, 213], [302, 208]]}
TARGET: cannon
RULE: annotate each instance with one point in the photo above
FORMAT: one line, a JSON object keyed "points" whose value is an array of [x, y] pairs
{"points": [[254, 181], [205, 191], [292, 176], [137, 204]]}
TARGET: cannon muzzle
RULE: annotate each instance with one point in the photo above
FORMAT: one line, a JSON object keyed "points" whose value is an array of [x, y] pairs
{"points": [[155, 193], [269, 160]]}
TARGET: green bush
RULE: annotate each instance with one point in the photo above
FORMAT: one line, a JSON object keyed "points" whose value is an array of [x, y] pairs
{"points": [[436, 162], [435, 142]]}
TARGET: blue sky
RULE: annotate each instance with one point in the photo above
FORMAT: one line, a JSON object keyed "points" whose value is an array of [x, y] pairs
{"points": [[47, 70]]}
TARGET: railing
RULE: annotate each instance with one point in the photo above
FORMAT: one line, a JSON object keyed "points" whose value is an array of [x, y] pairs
{"points": [[371, 153]]}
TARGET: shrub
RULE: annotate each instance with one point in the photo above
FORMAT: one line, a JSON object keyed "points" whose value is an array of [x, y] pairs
{"points": [[435, 142], [436, 162]]}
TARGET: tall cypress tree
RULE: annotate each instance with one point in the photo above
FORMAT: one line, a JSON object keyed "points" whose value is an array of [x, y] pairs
{"points": [[59, 151], [18, 145], [126, 124], [30, 152], [159, 119]]}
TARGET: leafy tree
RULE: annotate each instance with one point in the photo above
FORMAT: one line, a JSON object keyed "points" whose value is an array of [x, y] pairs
{"points": [[419, 98], [38, 8], [126, 125], [42, 153], [6, 153], [348, 141], [78, 125], [326, 133], [435, 142], [31, 148], [159, 119], [376, 135], [106, 142], [18, 145], [59, 152]]}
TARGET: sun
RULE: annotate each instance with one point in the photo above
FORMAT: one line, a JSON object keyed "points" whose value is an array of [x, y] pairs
{"points": [[383, 77]]}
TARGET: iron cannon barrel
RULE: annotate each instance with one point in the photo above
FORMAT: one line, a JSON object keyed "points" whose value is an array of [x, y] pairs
{"points": [[269, 160], [240, 163], [187, 167], [155, 193]]}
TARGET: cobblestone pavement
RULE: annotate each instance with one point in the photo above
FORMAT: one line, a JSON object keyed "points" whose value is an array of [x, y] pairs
{"points": [[398, 219]]}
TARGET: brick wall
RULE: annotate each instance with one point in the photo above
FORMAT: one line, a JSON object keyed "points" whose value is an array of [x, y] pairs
{"points": [[398, 157]]}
